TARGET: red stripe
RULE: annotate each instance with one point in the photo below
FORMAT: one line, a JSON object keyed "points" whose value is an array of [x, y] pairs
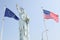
{"points": [[54, 16], [47, 17]]}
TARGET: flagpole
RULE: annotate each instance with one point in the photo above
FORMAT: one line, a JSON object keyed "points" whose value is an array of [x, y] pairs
{"points": [[43, 34], [45, 29], [2, 29]]}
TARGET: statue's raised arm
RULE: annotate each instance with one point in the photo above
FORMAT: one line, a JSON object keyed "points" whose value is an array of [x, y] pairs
{"points": [[20, 9]]}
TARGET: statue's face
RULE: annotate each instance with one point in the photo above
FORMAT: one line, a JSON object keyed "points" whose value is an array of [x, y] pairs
{"points": [[24, 16], [22, 10]]}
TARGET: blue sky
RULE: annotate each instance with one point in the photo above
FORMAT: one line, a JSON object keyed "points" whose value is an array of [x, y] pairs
{"points": [[34, 11]]}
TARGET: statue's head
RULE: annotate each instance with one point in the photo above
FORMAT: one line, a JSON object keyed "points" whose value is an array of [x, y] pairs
{"points": [[20, 9]]}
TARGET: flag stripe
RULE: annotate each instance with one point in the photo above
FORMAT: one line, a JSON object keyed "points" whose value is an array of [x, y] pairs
{"points": [[47, 17], [54, 16]]}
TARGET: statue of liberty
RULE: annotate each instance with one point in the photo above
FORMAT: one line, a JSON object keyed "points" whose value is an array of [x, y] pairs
{"points": [[23, 24]]}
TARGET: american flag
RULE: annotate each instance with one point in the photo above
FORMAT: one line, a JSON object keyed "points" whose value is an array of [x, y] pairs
{"points": [[50, 15]]}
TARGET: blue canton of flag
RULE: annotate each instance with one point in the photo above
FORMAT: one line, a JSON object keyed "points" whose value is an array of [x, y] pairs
{"points": [[47, 14], [9, 13]]}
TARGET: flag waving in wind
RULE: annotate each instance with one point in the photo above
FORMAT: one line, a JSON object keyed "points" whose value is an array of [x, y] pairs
{"points": [[9, 13], [50, 15]]}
